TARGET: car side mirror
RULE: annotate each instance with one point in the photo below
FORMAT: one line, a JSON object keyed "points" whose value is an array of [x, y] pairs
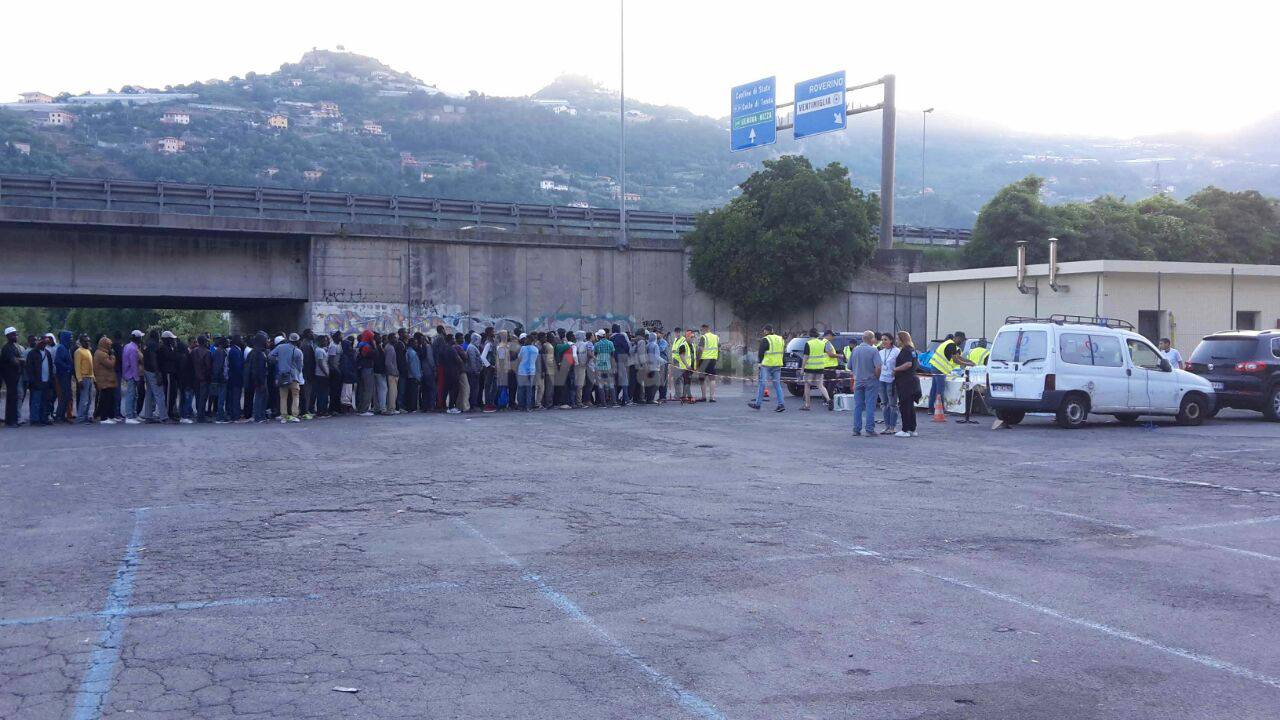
{"points": [[1165, 366]]}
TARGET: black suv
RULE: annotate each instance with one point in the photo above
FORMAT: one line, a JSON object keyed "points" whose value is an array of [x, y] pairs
{"points": [[1244, 367], [793, 361]]}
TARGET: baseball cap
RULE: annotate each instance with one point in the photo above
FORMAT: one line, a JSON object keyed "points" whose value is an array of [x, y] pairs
{"points": [[293, 337], [166, 334], [279, 339], [50, 336], [136, 333], [524, 335], [599, 333], [10, 330]]}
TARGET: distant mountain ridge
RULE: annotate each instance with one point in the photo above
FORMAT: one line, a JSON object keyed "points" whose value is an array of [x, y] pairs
{"points": [[356, 124]]}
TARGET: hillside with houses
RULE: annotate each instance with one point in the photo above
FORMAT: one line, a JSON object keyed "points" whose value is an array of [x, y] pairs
{"points": [[336, 120]]}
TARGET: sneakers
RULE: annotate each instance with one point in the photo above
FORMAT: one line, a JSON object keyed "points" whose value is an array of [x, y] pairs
{"points": [[753, 406], [780, 408], [132, 421], [294, 418], [187, 421], [308, 416], [284, 419], [857, 433], [221, 422], [902, 433], [454, 411], [108, 421], [366, 413]]}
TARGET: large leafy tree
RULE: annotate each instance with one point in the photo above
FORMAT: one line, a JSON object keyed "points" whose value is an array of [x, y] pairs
{"points": [[1213, 225], [792, 238]]}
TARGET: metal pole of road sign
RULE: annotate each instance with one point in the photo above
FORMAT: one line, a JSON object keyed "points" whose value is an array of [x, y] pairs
{"points": [[887, 143], [622, 124]]}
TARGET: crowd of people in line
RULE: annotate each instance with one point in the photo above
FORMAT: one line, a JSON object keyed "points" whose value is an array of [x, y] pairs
{"points": [[156, 377]]}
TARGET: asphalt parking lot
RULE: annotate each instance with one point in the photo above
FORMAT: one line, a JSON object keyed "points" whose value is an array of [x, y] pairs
{"points": [[656, 562]]}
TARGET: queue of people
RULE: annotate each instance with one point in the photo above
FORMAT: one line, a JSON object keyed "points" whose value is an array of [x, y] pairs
{"points": [[156, 377]]}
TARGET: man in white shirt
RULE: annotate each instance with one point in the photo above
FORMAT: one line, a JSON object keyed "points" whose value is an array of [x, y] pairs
{"points": [[888, 391], [1171, 353]]}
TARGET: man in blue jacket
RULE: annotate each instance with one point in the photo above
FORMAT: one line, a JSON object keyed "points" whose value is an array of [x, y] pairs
{"points": [[235, 377], [63, 366]]}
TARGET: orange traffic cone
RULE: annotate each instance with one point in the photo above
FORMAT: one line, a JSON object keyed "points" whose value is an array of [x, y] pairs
{"points": [[939, 413]]}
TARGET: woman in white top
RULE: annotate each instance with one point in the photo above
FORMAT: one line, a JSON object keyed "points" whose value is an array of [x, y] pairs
{"points": [[888, 393]]}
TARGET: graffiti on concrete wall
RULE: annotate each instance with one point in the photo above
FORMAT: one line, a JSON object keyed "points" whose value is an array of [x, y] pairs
{"points": [[578, 322], [424, 316]]}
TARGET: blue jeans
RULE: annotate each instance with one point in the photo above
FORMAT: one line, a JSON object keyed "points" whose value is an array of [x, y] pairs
{"points": [[260, 403], [936, 388], [889, 399], [769, 375], [64, 397], [219, 392], [153, 405], [524, 392], [130, 398], [202, 401], [185, 403], [84, 399], [39, 415], [864, 406], [234, 395]]}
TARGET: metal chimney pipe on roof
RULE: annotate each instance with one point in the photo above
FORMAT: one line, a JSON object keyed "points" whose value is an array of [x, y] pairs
{"points": [[1022, 266], [1053, 267]]}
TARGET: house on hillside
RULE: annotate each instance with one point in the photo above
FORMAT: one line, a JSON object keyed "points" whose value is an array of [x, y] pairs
{"points": [[171, 145], [280, 122], [372, 127], [21, 147], [176, 117], [295, 82], [425, 176], [35, 97], [327, 109], [553, 186], [59, 118], [270, 171], [407, 159], [312, 175]]}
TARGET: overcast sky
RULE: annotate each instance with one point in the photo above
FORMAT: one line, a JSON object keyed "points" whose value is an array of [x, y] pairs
{"points": [[1119, 68]]}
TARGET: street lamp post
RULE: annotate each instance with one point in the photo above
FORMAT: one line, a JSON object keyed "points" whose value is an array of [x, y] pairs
{"points": [[924, 186], [622, 124]]}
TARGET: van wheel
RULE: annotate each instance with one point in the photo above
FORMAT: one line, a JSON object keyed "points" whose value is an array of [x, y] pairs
{"points": [[1192, 411], [1271, 406], [1010, 417], [1074, 411], [795, 390], [1127, 418]]}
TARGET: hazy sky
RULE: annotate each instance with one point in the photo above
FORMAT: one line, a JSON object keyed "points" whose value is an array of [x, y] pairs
{"points": [[1121, 67]]}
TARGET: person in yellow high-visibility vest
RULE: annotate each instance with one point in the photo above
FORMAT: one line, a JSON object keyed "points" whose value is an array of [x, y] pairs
{"points": [[818, 356], [770, 353], [708, 354], [978, 356], [946, 357], [682, 358]]}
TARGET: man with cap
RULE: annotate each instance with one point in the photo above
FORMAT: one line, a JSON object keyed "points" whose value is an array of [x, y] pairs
{"points": [[169, 360], [10, 371], [40, 374], [153, 407], [289, 377]]}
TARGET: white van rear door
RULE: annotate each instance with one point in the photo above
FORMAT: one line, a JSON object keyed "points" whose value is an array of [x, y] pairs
{"points": [[1017, 364]]}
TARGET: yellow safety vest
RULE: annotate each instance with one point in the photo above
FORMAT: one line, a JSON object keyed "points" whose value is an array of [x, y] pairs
{"points": [[680, 353], [710, 346], [816, 359], [831, 362], [848, 350], [773, 356], [939, 360], [978, 355]]}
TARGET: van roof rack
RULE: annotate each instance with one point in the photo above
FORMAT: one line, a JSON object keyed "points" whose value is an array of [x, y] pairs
{"points": [[1059, 319]]}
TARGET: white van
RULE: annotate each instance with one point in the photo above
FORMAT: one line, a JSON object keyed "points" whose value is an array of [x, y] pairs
{"points": [[1072, 366]]}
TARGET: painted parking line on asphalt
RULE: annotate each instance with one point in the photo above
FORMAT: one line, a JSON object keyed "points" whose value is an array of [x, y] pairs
{"points": [[1155, 533], [1225, 524], [1108, 630], [95, 686], [689, 700]]}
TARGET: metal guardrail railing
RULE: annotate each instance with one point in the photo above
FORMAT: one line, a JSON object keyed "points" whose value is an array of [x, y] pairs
{"points": [[293, 204]]}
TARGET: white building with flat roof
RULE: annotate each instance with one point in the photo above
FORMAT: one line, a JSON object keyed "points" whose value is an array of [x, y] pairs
{"points": [[1183, 301]]}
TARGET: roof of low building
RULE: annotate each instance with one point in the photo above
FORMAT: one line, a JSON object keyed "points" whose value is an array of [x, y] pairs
{"points": [[1090, 267]]}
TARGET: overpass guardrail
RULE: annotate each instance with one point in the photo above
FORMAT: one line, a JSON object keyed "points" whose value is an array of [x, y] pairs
{"points": [[335, 207]]}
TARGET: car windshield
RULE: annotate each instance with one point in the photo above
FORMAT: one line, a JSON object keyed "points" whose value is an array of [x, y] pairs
{"points": [[797, 344], [1020, 346], [1224, 349]]}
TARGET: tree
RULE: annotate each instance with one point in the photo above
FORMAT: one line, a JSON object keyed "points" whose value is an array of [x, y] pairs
{"points": [[792, 238], [1014, 213]]}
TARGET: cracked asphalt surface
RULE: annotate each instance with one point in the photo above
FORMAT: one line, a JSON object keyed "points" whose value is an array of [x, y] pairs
{"points": [[653, 562]]}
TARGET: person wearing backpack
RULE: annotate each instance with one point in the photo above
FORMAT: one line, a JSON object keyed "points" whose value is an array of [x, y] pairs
{"points": [[288, 377]]}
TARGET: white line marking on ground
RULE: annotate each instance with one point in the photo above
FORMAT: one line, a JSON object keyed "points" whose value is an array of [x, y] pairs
{"points": [[1131, 530], [689, 700], [1199, 658], [1195, 483], [1229, 523]]}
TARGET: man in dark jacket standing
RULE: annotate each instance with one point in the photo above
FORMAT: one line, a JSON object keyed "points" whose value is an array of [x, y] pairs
{"points": [[235, 377], [257, 377], [307, 345], [10, 371], [202, 372], [40, 378], [169, 362], [63, 367]]}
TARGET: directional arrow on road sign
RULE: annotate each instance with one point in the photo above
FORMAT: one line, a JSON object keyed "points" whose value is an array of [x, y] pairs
{"points": [[752, 121], [820, 105]]}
